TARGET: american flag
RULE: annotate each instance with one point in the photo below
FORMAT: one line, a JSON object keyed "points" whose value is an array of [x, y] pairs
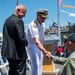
{"points": [[60, 2]]}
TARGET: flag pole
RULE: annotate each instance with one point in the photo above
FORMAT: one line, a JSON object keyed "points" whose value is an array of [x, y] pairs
{"points": [[58, 16], [16, 2]]}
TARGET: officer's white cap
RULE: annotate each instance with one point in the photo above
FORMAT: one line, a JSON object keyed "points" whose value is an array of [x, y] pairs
{"points": [[43, 12]]}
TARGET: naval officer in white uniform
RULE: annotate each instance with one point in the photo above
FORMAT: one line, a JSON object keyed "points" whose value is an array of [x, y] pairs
{"points": [[35, 37]]}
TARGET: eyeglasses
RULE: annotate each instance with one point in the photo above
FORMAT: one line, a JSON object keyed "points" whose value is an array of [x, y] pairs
{"points": [[66, 40]]}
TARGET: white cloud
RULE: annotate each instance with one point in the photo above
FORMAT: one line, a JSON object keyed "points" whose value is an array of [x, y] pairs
{"points": [[69, 14], [72, 14], [65, 11]]}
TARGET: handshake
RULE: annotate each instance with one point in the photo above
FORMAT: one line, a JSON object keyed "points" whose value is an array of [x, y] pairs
{"points": [[47, 54]]}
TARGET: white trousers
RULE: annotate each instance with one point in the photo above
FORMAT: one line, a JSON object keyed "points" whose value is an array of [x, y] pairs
{"points": [[36, 58]]}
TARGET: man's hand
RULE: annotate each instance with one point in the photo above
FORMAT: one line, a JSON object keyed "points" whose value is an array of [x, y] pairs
{"points": [[48, 54]]}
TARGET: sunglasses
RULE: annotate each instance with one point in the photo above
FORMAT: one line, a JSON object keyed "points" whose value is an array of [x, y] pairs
{"points": [[66, 40]]}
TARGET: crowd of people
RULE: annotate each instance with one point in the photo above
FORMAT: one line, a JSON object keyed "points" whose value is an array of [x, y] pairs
{"points": [[15, 40], [60, 51]]}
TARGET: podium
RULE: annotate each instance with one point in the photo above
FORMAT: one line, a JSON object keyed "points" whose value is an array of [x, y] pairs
{"points": [[49, 68]]}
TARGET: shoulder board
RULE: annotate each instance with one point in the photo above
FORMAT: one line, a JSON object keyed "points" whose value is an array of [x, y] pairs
{"points": [[34, 24]]}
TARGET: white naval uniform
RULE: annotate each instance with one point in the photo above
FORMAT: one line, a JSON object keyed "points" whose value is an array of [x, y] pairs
{"points": [[35, 31]]}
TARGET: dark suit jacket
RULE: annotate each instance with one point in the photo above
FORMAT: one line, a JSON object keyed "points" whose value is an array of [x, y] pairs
{"points": [[14, 40]]}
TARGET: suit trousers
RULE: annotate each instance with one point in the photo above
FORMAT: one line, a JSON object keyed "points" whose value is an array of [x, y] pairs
{"points": [[17, 67]]}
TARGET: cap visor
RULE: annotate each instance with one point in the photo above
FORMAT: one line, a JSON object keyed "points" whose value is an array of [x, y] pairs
{"points": [[44, 16]]}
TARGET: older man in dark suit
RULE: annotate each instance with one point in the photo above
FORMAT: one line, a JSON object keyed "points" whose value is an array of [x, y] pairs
{"points": [[14, 42]]}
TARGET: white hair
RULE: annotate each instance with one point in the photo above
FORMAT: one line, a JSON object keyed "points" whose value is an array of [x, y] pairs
{"points": [[17, 7]]}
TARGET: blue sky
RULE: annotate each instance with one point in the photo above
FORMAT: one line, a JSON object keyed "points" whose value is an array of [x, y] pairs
{"points": [[66, 14]]}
